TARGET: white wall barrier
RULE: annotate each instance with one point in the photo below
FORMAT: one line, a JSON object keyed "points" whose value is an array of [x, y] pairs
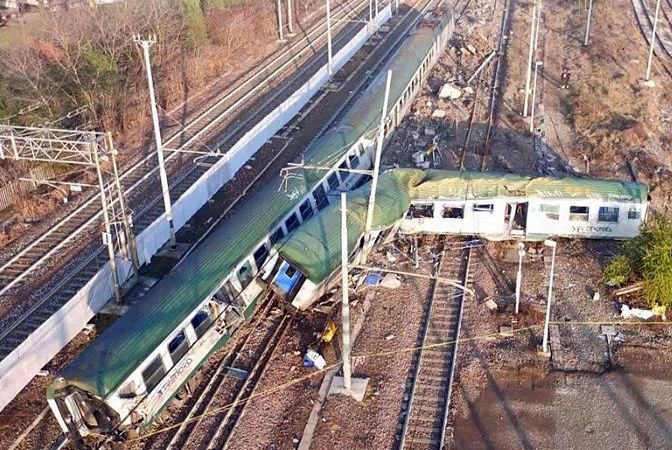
{"points": [[18, 368]]}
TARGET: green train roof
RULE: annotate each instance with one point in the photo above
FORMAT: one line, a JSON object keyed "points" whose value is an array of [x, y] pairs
{"points": [[114, 355], [315, 247]]}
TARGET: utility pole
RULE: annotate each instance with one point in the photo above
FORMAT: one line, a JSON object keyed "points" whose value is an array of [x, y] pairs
{"points": [[534, 93], [653, 42], [553, 245], [590, 14], [519, 276], [345, 306], [146, 44], [290, 26], [371, 12], [376, 9], [379, 151], [536, 30], [529, 60], [330, 66], [278, 7]]}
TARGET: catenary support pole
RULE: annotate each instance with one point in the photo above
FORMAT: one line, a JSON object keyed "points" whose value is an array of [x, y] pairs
{"points": [[379, 151], [590, 14], [653, 41], [290, 24], [128, 221], [278, 7], [538, 25], [107, 230], [330, 63], [553, 245], [534, 94], [529, 60], [146, 44], [345, 307], [519, 275]]}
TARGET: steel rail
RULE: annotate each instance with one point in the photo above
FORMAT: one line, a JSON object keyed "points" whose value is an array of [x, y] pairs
{"points": [[139, 165], [175, 182], [228, 423], [204, 400]]}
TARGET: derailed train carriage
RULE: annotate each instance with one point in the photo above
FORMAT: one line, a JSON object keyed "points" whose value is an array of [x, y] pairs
{"points": [[489, 205], [125, 378]]}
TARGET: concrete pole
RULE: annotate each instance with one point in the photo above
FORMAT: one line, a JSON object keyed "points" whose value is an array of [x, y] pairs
{"points": [[330, 66], [290, 25], [379, 151], [345, 307], [370, 12], [145, 44], [534, 94], [278, 7], [529, 60], [107, 233], [590, 14], [653, 42], [536, 30], [553, 245], [519, 276], [376, 9]]}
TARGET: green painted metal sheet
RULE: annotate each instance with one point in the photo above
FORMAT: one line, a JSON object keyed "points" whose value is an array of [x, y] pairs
{"points": [[315, 247], [113, 356]]}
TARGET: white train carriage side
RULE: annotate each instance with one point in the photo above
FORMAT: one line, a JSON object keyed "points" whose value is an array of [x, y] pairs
{"points": [[488, 205]]}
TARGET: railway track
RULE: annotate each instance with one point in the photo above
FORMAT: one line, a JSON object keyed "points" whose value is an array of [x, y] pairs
{"points": [[428, 405], [644, 20], [75, 275], [197, 133], [215, 412]]}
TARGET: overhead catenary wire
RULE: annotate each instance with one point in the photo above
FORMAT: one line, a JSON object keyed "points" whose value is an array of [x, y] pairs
{"points": [[282, 386]]}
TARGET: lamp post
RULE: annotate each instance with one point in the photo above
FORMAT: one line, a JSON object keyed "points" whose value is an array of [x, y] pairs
{"points": [[552, 244], [521, 253]]}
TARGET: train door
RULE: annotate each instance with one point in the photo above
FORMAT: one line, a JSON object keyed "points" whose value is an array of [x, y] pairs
{"points": [[515, 219]]}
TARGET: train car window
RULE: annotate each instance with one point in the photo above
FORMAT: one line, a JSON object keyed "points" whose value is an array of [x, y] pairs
{"points": [[153, 373], [354, 160], [607, 214], [128, 391], [484, 207], [278, 234], [332, 180], [245, 274], [421, 211], [578, 213], [201, 322], [306, 210], [634, 214], [292, 223], [178, 347], [320, 196], [453, 212], [260, 256], [550, 211]]}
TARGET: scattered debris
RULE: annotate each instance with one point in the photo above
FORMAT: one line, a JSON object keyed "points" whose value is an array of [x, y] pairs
{"points": [[314, 359], [329, 332], [390, 336], [373, 278], [450, 91], [506, 330], [390, 281], [439, 113], [491, 305]]}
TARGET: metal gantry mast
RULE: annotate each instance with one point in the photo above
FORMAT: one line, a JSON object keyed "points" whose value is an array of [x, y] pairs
{"points": [[83, 148]]}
